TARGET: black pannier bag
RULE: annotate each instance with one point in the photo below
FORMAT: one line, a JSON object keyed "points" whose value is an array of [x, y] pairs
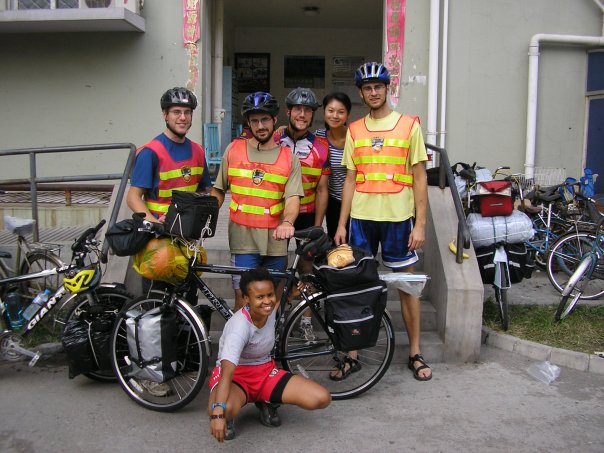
{"points": [[520, 262], [363, 270], [86, 341], [353, 316], [152, 343], [192, 214], [485, 256], [125, 239]]}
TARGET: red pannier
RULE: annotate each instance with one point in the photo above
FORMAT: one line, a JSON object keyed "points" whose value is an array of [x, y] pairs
{"points": [[495, 198]]}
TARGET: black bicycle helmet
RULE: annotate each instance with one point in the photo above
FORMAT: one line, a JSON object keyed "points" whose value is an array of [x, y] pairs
{"points": [[371, 72], [316, 248], [260, 102], [178, 96], [302, 96]]}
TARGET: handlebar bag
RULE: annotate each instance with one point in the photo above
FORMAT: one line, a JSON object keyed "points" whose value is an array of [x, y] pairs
{"points": [[495, 198], [124, 238], [192, 215], [152, 343], [353, 316]]}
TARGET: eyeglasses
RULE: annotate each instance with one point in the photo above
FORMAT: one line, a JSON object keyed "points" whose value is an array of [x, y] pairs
{"points": [[377, 88], [257, 121], [179, 113]]}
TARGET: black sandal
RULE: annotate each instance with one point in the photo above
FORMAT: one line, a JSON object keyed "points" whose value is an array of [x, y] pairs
{"points": [[353, 366], [424, 366]]}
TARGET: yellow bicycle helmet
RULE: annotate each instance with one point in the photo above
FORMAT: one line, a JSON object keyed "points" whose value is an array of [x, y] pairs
{"points": [[82, 280]]}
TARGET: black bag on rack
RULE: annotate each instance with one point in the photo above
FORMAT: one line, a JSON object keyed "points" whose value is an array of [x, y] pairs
{"points": [[353, 315], [124, 238], [520, 262], [192, 214], [364, 269]]}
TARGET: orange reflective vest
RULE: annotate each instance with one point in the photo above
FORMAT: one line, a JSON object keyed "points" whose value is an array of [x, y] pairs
{"points": [[312, 169], [257, 189], [381, 156], [183, 175]]}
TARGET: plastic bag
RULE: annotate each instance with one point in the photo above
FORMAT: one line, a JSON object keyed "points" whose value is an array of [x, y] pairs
{"points": [[544, 372], [409, 283]]}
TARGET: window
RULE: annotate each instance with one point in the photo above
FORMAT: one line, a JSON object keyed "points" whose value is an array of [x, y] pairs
{"points": [[302, 71]]}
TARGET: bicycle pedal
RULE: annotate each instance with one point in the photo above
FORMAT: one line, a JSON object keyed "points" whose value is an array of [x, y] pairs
{"points": [[34, 359]]}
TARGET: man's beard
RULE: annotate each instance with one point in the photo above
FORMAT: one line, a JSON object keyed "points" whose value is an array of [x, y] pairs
{"points": [[178, 134], [262, 141], [295, 128]]}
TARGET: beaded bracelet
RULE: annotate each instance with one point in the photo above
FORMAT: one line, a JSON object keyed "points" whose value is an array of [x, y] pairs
{"points": [[288, 222], [216, 416]]}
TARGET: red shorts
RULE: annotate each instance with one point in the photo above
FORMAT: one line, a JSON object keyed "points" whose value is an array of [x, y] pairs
{"points": [[259, 382]]}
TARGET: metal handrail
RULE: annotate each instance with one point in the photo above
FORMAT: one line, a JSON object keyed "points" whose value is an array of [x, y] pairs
{"points": [[446, 174], [34, 179]]}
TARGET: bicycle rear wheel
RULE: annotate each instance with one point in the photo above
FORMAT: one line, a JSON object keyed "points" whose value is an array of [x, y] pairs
{"points": [[37, 262], [501, 296], [316, 359], [565, 256], [192, 361], [110, 299], [575, 287]]}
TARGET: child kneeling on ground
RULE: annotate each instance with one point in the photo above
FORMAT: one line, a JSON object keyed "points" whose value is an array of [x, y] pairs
{"points": [[245, 371]]}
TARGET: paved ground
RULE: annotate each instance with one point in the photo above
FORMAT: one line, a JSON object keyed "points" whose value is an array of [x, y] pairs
{"points": [[491, 405]]}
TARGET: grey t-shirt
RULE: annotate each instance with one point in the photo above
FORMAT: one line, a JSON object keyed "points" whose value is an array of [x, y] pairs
{"points": [[242, 343]]}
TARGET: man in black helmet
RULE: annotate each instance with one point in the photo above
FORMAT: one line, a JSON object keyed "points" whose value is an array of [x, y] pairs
{"points": [[170, 161]]}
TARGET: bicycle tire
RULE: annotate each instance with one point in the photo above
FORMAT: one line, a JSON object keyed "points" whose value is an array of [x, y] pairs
{"points": [[564, 257], [374, 361], [36, 262], [192, 363], [573, 290], [112, 298], [501, 297]]}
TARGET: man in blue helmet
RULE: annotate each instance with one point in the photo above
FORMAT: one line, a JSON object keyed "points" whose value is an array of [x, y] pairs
{"points": [[386, 192], [266, 186]]}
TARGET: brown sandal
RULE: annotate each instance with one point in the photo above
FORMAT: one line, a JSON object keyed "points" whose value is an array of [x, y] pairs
{"points": [[424, 366], [353, 366]]}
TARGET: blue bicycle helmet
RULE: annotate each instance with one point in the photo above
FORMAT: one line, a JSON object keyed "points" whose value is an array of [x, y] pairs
{"points": [[178, 96], [371, 72], [260, 102]]}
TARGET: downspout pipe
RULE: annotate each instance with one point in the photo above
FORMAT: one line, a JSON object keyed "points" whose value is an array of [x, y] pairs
{"points": [[433, 74], [443, 75], [217, 65], [533, 85]]}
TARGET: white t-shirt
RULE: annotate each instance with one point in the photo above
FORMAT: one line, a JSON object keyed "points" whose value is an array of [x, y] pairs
{"points": [[242, 343]]}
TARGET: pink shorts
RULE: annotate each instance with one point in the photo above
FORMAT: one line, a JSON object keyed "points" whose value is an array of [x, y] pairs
{"points": [[262, 382]]}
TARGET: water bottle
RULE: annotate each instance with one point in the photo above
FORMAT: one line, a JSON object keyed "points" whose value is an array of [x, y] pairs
{"points": [[14, 309], [36, 304]]}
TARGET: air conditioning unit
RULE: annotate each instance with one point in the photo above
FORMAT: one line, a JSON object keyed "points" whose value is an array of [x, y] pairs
{"points": [[132, 5]]}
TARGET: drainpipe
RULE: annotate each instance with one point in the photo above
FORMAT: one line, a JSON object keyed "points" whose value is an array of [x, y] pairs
{"points": [[443, 75], [533, 85], [217, 63], [433, 75], [600, 4]]}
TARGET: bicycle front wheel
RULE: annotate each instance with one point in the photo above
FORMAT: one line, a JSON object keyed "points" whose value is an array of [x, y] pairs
{"points": [[317, 358], [37, 262], [564, 258], [192, 360], [109, 300], [575, 287]]}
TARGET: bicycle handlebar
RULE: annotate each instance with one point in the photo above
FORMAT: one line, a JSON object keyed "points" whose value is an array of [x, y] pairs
{"points": [[88, 235]]}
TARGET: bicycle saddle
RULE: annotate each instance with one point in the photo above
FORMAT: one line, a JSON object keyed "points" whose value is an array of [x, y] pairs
{"points": [[311, 233]]}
